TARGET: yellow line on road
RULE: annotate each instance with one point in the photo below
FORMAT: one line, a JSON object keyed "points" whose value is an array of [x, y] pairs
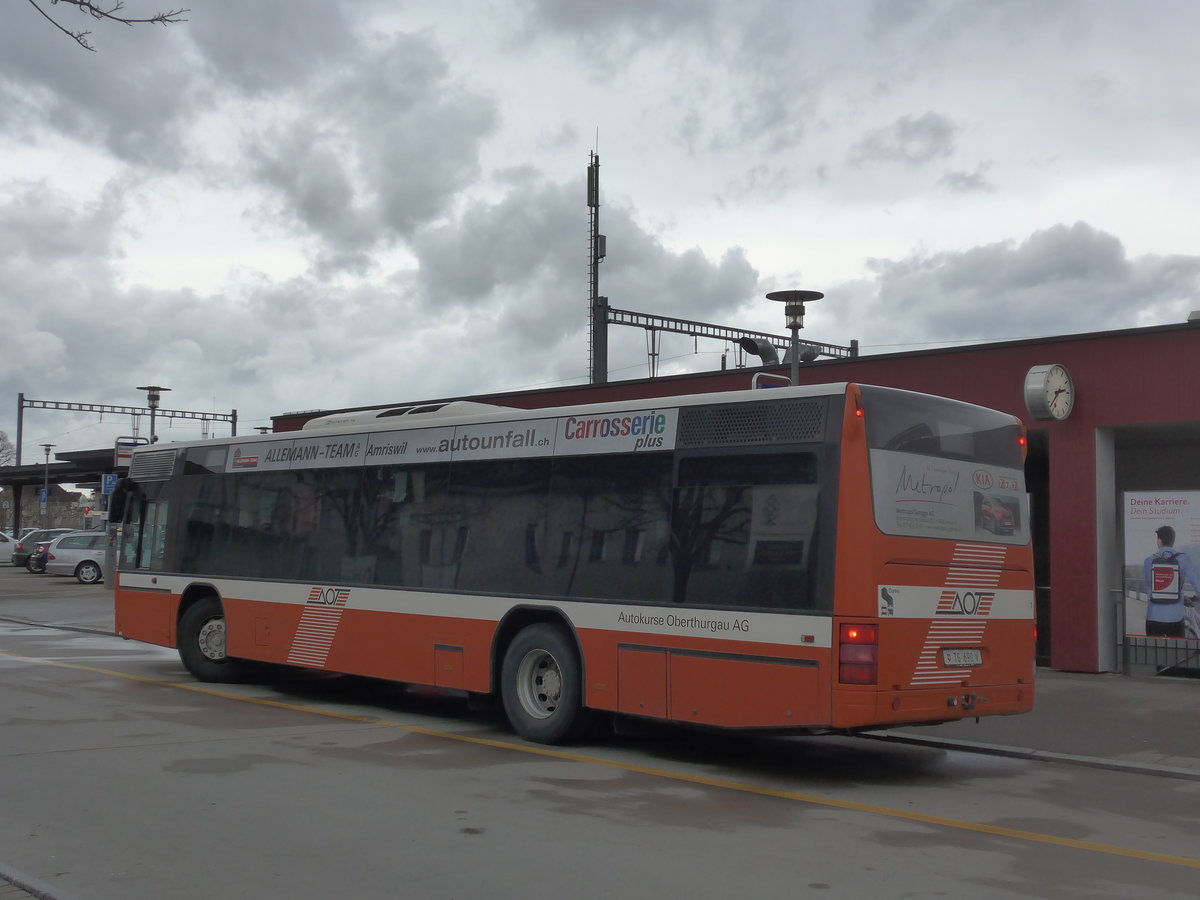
{"points": [[743, 787]]}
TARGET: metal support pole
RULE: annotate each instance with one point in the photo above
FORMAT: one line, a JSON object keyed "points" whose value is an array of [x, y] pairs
{"points": [[18, 489], [46, 487], [795, 329]]}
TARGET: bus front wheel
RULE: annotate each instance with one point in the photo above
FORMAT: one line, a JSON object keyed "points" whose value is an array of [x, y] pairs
{"points": [[202, 643], [542, 686]]}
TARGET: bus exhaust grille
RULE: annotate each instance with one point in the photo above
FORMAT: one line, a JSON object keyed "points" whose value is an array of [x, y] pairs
{"points": [[152, 465], [742, 424]]}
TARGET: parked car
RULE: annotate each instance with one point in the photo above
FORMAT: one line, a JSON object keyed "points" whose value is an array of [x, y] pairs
{"points": [[7, 542], [28, 543], [79, 553]]}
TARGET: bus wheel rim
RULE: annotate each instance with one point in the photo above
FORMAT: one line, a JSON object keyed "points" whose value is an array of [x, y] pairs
{"points": [[211, 640], [539, 684]]}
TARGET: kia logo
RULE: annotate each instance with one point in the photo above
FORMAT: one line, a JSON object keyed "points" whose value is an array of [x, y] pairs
{"points": [[982, 479]]}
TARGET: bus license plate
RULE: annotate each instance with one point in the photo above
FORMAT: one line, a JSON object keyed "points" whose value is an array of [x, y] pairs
{"points": [[962, 657]]}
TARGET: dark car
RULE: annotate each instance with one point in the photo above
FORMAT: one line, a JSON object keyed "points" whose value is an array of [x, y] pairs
{"points": [[29, 541], [37, 559]]}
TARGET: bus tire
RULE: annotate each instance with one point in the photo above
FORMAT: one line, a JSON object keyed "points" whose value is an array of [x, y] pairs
{"points": [[202, 643], [541, 686]]}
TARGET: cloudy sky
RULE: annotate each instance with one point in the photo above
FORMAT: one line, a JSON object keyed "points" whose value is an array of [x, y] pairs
{"points": [[287, 204]]}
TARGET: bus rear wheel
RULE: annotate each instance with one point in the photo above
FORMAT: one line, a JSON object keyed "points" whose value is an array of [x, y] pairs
{"points": [[202, 643], [541, 684]]}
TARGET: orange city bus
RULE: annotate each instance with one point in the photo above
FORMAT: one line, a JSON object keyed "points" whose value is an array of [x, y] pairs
{"points": [[806, 559]]}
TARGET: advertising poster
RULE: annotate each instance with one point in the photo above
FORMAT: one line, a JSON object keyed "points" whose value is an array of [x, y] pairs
{"points": [[925, 496], [1162, 564]]}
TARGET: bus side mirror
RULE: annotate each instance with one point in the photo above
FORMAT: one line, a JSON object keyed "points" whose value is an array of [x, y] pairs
{"points": [[118, 500]]}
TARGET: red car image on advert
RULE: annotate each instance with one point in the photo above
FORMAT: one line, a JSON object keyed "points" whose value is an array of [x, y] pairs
{"points": [[995, 516]]}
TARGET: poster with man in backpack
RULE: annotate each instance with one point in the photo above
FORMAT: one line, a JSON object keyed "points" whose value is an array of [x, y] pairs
{"points": [[1165, 572]]}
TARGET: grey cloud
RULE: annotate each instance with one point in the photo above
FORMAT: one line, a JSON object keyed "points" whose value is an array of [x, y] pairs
{"points": [[610, 31], [396, 141], [536, 235], [908, 140], [84, 338], [888, 16], [968, 182], [535, 231], [133, 99], [506, 283], [686, 284], [41, 227], [1062, 280], [270, 45]]}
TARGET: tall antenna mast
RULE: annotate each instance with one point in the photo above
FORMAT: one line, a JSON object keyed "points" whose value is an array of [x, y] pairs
{"points": [[597, 305]]}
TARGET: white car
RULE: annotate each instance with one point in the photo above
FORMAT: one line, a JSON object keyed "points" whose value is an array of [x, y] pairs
{"points": [[78, 553], [7, 542]]}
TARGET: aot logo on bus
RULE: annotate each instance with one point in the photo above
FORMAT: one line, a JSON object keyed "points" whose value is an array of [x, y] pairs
{"points": [[965, 603], [320, 596]]}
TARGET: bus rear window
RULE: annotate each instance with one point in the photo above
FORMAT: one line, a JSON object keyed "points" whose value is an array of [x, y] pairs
{"points": [[905, 422]]}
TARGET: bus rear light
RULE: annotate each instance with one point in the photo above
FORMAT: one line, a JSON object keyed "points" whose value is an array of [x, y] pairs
{"points": [[853, 633], [858, 653]]}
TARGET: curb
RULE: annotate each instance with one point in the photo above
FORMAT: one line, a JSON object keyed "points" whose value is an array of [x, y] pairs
{"points": [[15, 885], [83, 629], [1093, 762]]}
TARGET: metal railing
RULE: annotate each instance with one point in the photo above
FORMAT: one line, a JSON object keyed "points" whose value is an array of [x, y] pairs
{"points": [[1143, 654]]}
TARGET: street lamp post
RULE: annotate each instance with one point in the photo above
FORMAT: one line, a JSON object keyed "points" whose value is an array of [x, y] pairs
{"points": [[153, 393], [793, 311], [46, 486]]}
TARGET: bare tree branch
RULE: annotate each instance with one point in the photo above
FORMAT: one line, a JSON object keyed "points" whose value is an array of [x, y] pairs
{"points": [[110, 14]]}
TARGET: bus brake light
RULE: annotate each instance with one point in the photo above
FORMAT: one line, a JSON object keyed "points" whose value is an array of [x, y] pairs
{"points": [[858, 653]]}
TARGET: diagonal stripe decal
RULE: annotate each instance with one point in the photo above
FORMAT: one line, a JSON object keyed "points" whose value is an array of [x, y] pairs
{"points": [[318, 627], [965, 601]]}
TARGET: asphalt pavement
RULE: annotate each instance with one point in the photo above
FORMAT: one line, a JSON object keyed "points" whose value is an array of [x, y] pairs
{"points": [[1136, 723]]}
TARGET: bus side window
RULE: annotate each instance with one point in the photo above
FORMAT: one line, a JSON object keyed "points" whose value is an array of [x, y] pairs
{"points": [[131, 532]]}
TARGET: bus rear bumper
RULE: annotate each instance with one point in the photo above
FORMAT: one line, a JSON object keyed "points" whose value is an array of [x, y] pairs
{"points": [[887, 709]]}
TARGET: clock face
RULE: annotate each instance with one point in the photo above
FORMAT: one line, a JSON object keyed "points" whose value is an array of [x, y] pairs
{"points": [[1060, 392], [1049, 392]]}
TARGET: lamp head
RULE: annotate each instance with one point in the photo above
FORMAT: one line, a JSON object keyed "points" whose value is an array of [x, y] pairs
{"points": [[153, 394], [794, 301]]}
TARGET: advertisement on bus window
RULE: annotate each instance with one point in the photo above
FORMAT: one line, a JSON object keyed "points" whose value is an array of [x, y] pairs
{"points": [[936, 497], [1162, 555], [627, 432]]}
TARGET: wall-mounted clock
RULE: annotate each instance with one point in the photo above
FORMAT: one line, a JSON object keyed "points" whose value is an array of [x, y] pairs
{"points": [[1049, 392]]}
